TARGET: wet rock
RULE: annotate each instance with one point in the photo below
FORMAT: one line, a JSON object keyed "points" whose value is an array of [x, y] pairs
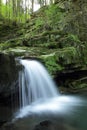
{"points": [[8, 87], [9, 126], [8, 76], [35, 124], [52, 125], [47, 125], [5, 114]]}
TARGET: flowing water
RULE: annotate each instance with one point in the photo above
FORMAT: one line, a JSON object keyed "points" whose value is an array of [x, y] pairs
{"points": [[39, 96], [35, 83]]}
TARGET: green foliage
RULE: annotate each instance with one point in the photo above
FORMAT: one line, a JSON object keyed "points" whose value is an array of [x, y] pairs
{"points": [[39, 22], [69, 40], [53, 14], [51, 63], [73, 37], [67, 55], [4, 11], [7, 13], [6, 45]]}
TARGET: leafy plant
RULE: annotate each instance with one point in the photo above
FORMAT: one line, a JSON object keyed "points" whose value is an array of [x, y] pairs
{"points": [[7, 13], [39, 21], [73, 37], [53, 14]]}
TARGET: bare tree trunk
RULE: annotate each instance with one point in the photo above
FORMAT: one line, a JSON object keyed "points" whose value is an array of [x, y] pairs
{"points": [[51, 1], [25, 11], [9, 4], [32, 6], [14, 5], [18, 10], [45, 2], [0, 7]]}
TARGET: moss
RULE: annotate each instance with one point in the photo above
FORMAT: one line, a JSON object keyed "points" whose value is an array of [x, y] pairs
{"points": [[60, 59], [49, 45], [7, 45], [25, 51], [67, 55], [50, 62]]}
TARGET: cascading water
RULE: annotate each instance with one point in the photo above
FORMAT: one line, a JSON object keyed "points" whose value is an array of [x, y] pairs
{"points": [[35, 83], [39, 94], [41, 101]]}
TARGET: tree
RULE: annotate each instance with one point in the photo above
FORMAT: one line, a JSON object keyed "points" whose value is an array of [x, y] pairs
{"points": [[0, 6], [14, 3], [41, 2], [19, 10], [51, 1], [32, 6]]}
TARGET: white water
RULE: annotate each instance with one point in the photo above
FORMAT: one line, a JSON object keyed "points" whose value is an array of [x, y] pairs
{"points": [[39, 94], [35, 83], [60, 105]]}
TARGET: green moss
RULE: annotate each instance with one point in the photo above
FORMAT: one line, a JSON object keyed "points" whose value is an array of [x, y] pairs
{"points": [[60, 59], [50, 62], [7, 45], [67, 55], [73, 37]]}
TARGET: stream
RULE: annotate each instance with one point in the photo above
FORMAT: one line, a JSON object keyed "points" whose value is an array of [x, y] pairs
{"points": [[73, 119], [41, 106]]}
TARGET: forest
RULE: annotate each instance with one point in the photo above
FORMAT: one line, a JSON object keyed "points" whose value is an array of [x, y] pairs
{"points": [[20, 10], [53, 33]]}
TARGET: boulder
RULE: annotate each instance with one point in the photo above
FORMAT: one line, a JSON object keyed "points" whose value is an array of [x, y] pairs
{"points": [[8, 76], [43, 125]]}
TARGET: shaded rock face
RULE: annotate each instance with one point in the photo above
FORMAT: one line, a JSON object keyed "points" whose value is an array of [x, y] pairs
{"points": [[49, 125], [8, 87], [8, 76], [76, 19], [43, 125]]}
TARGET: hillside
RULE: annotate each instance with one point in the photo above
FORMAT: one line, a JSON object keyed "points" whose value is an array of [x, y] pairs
{"points": [[57, 36]]}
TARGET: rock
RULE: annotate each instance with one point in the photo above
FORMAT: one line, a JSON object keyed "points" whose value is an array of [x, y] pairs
{"points": [[8, 86], [24, 124], [9, 126], [49, 125], [45, 125], [8, 76]]}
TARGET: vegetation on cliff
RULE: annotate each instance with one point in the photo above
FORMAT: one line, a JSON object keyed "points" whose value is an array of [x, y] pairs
{"points": [[56, 35]]}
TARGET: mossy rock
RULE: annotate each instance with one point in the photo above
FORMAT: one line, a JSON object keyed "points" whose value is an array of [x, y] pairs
{"points": [[81, 83], [61, 59], [50, 62]]}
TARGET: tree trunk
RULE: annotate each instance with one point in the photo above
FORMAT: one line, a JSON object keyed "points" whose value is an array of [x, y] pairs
{"points": [[0, 7], [32, 8]]}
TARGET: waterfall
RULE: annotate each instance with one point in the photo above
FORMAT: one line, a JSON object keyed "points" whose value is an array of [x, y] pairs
{"points": [[35, 83], [39, 94]]}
